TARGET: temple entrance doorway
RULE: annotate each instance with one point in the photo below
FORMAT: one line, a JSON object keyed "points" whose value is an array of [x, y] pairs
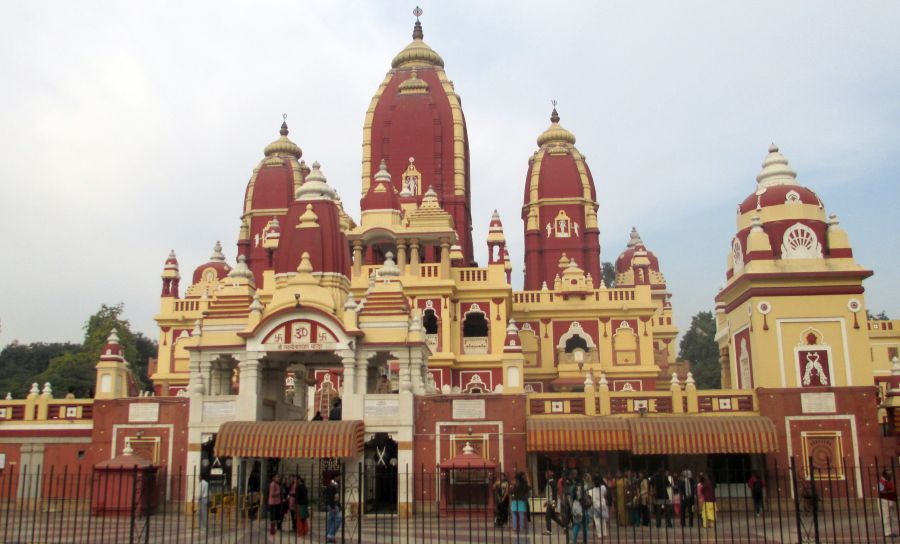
{"points": [[380, 475]]}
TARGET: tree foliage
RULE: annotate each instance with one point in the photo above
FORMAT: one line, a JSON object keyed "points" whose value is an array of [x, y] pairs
{"points": [[609, 274], [70, 367], [881, 316], [698, 345], [20, 364]]}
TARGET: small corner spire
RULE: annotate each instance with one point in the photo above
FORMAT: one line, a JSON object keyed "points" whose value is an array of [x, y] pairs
{"points": [[284, 127], [417, 28]]}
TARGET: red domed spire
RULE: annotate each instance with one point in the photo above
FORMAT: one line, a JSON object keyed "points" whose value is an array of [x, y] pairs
{"points": [[216, 264], [170, 276], [560, 208], [416, 113], [381, 194], [636, 256], [312, 226]]}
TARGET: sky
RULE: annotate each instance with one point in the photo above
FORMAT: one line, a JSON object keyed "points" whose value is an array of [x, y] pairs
{"points": [[131, 128]]}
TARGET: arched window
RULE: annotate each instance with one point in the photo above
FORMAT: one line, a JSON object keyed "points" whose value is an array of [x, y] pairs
{"points": [[475, 331], [576, 342], [800, 242], [475, 325], [430, 321]]}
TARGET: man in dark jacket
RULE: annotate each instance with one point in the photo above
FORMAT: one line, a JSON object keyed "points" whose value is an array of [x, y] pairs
{"points": [[686, 487], [661, 486]]}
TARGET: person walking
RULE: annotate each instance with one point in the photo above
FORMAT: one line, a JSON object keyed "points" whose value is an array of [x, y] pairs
{"points": [[887, 495], [302, 507], [274, 503], [551, 503], [578, 508], [292, 502], [335, 516], [708, 492], [599, 512], [518, 499], [203, 503], [687, 490], [756, 485], [661, 490], [645, 500], [501, 500], [622, 481]]}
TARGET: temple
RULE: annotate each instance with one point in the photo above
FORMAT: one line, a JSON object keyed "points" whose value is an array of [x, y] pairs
{"points": [[322, 339]]}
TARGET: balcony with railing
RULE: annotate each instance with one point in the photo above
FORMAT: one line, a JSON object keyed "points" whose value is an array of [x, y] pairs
{"points": [[475, 345]]}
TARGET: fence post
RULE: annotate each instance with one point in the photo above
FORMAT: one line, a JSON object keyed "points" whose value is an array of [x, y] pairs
{"points": [[133, 502], [796, 490], [815, 497], [359, 501]]}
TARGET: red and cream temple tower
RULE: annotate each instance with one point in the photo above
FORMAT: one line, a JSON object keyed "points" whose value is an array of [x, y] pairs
{"points": [[318, 305]]}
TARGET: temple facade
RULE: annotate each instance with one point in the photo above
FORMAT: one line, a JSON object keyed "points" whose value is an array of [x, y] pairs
{"points": [[379, 341]]}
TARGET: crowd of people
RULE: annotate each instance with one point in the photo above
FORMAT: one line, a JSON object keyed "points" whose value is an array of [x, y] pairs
{"points": [[288, 498], [583, 503]]}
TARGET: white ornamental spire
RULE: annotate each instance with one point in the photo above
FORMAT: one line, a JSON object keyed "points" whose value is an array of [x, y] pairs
{"points": [[775, 171]]}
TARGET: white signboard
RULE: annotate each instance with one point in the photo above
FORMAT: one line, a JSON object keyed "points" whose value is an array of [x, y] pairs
{"points": [[218, 410], [818, 403], [381, 407], [321, 346], [468, 409], [143, 412]]}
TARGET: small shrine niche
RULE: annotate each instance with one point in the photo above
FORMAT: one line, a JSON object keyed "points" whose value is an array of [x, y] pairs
{"points": [[412, 180]]}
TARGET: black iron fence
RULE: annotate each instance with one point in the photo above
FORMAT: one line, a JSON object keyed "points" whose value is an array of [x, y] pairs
{"points": [[375, 502]]}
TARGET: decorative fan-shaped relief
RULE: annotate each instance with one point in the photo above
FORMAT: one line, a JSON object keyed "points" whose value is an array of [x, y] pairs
{"points": [[737, 253], [800, 242], [792, 197]]}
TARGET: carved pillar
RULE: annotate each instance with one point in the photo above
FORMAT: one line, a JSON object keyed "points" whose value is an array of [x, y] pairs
{"points": [[405, 377], [357, 257], [414, 257], [248, 400], [205, 369], [445, 259], [401, 256]]}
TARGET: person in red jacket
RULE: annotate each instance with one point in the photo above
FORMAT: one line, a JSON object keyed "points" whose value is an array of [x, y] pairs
{"points": [[887, 494]]}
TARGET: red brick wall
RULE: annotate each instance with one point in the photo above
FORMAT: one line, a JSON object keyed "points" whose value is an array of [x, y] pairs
{"points": [[508, 410]]}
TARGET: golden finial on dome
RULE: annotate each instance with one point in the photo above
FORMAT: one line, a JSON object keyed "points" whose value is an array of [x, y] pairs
{"points": [[417, 28], [555, 134], [417, 53], [283, 145]]}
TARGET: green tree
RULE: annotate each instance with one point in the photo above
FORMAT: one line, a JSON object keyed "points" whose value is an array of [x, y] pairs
{"points": [[20, 364], [609, 274], [73, 371], [882, 316], [698, 345]]}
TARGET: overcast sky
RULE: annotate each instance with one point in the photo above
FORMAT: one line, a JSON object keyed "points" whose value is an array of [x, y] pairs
{"points": [[129, 128]]}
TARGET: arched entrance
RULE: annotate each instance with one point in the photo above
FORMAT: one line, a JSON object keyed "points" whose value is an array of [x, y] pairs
{"points": [[380, 474]]}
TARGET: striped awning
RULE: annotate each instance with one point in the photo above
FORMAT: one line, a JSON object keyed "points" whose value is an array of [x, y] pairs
{"points": [[702, 435], [578, 434], [290, 439]]}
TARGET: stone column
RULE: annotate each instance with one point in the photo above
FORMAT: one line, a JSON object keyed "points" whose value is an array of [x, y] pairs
{"points": [[445, 259], [401, 257], [248, 400], [357, 257], [352, 399], [414, 257]]}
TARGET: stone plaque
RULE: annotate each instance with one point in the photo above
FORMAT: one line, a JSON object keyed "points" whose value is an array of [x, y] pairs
{"points": [[218, 410], [381, 407], [143, 412], [818, 403], [468, 409]]}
